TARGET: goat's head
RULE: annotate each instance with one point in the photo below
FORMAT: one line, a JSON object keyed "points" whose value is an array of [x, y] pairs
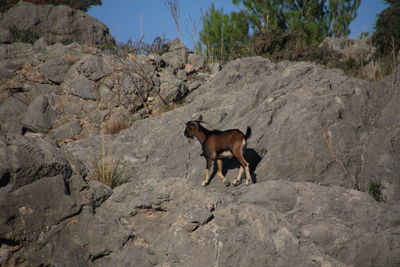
{"points": [[192, 127]]}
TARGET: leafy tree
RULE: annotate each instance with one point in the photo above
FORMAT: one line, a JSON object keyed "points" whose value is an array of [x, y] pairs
{"points": [[223, 36], [386, 37], [316, 19], [305, 21]]}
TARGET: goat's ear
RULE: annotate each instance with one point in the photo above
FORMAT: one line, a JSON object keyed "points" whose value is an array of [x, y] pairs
{"points": [[200, 118]]}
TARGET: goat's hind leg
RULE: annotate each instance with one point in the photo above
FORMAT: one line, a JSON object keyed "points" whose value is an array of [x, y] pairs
{"points": [[248, 176], [244, 165], [219, 173], [238, 177]]}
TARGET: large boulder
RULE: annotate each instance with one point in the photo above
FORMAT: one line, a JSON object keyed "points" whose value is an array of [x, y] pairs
{"points": [[175, 56], [173, 222], [38, 195], [55, 23], [68, 130], [81, 78], [381, 148], [55, 69], [24, 160], [40, 115], [12, 111], [171, 88], [355, 49]]}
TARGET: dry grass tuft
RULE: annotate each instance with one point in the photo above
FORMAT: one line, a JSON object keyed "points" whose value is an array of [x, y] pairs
{"points": [[115, 126], [70, 59], [106, 169], [165, 108]]}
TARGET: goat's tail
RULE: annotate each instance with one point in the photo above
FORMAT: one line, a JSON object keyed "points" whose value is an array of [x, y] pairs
{"points": [[248, 133]]}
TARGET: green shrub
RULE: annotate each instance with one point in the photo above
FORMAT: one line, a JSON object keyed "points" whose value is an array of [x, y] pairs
{"points": [[375, 189], [138, 47], [386, 37], [3, 130], [107, 46], [23, 36]]}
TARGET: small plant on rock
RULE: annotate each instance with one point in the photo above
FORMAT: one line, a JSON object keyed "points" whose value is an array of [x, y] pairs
{"points": [[375, 189], [23, 36], [106, 169], [3, 130]]}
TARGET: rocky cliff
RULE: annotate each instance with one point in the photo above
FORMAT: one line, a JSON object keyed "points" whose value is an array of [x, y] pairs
{"points": [[320, 141], [54, 23]]}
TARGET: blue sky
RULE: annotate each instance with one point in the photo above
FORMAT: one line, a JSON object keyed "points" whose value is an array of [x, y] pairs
{"points": [[130, 19]]}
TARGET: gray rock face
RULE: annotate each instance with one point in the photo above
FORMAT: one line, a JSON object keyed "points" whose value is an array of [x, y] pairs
{"points": [[171, 88], [350, 48], [85, 89], [87, 85], [324, 122], [93, 68], [70, 129], [351, 51], [311, 141], [381, 146], [12, 111], [5, 72], [195, 61], [27, 159], [55, 69], [275, 223], [5, 35], [40, 115], [215, 68], [174, 59], [24, 216], [55, 23], [176, 56]]}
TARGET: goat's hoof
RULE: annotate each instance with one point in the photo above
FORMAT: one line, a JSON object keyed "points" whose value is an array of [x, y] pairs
{"points": [[235, 183], [248, 182], [227, 183], [204, 183]]}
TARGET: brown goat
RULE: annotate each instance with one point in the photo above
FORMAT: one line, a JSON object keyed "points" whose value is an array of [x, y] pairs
{"points": [[220, 144]]}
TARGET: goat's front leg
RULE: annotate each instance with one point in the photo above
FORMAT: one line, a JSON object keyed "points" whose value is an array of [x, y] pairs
{"points": [[207, 172], [219, 173]]}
